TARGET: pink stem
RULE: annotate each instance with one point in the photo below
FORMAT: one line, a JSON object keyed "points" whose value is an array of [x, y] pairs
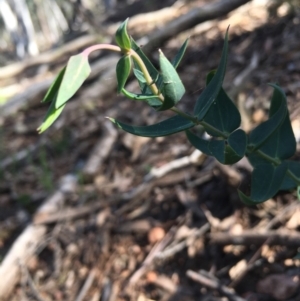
{"points": [[90, 49]]}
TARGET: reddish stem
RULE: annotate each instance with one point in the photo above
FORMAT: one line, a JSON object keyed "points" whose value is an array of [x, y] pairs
{"points": [[90, 49]]}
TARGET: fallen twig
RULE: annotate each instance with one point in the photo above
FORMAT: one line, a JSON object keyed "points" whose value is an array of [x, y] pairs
{"points": [[250, 265], [87, 285], [213, 283], [275, 237], [193, 17], [151, 256], [66, 214], [100, 151], [175, 164], [26, 279], [175, 248]]}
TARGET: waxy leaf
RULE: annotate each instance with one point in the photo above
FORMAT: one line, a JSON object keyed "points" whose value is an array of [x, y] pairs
{"points": [[199, 143], [143, 97], [177, 59], [231, 150], [265, 130], [167, 127], [282, 143], [266, 181], [53, 90], [172, 88], [77, 71], [227, 151], [210, 93], [122, 37], [223, 114], [175, 62], [139, 75], [123, 69], [50, 117], [152, 100]]}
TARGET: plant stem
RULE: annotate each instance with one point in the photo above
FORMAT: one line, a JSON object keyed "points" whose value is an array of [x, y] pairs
{"points": [[293, 177], [148, 78], [260, 153], [185, 115], [155, 91], [208, 126], [266, 157], [90, 49]]}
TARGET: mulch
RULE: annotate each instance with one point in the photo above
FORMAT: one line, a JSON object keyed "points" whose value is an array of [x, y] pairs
{"points": [[183, 235]]}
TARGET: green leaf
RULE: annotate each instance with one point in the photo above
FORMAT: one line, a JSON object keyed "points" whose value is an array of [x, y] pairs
{"points": [[153, 100], [77, 71], [199, 143], [175, 62], [173, 89], [223, 114], [210, 93], [50, 117], [167, 127], [298, 193], [282, 143], [139, 97], [227, 151], [266, 181], [246, 199], [177, 59], [265, 130], [122, 37], [289, 183], [231, 150], [123, 69], [238, 142], [151, 69], [53, 90], [139, 75]]}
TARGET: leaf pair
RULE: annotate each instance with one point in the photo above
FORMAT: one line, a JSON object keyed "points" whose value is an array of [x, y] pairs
{"points": [[226, 151], [167, 81], [272, 140], [65, 85], [221, 119]]}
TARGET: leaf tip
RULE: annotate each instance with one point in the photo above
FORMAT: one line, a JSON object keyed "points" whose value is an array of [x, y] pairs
{"points": [[40, 129], [111, 119]]}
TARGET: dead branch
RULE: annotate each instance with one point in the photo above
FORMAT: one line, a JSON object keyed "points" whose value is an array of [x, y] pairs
{"points": [[26, 244], [250, 265], [149, 21], [179, 246], [278, 237], [66, 214], [193, 17], [100, 151], [47, 57], [194, 158], [151, 256], [87, 285], [214, 284]]}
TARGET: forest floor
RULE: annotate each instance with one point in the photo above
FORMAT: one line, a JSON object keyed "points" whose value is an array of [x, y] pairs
{"points": [[151, 219]]}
